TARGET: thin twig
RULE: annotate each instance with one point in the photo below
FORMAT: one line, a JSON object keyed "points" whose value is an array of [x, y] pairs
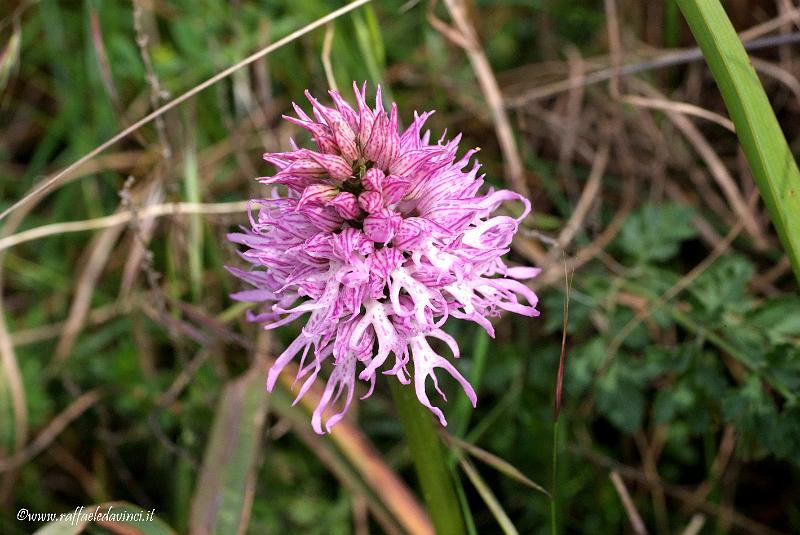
{"points": [[717, 168], [587, 198], [632, 474], [122, 218], [53, 429], [627, 503], [573, 119], [679, 107], [142, 41], [493, 460], [327, 45], [96, 316], [668, 59], [93, 265], [614, 46], [695, 524], [782, 75], [553, 272], [716, 471], [491, 92], [488, 497], [10, 372]]}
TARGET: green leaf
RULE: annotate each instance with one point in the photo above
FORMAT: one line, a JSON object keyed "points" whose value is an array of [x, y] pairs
{"points": [[672, 402], [779, 319], [501, 465], [770, 158], [692, 399], [153, 526], [582, 365], [723, 284], [62, 527], [755, 416], [759, 422], [655, 232], [620, 399], [222, 498], [784, 367]]}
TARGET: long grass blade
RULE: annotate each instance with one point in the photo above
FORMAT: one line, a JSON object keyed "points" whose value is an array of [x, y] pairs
{"points": [[770, 158], [488, 497], [9, 56], [501, 465]]}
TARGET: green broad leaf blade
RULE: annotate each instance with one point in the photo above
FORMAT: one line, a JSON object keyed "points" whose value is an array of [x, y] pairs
{"points": [[778, 319], [222, 500], [325, 449], [784, 367], [480, 355], [7, 420], [193, 194], [770, 158], [762, 424]]}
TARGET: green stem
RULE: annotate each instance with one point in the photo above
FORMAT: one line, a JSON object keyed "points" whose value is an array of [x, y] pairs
{"points": [[429, 462]]}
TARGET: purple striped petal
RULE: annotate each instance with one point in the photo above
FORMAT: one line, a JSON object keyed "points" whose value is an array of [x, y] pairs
{"points": [[394, 188], [381, 226], [346, 205], [373, 179], [336, 166], [318, 194], [370, 201]]}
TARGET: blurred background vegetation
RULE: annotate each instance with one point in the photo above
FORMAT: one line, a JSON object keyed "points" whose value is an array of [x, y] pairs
{"points": [[129, 375]]}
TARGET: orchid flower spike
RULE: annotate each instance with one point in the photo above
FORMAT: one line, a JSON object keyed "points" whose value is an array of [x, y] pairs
{"points": [[378, 236]]}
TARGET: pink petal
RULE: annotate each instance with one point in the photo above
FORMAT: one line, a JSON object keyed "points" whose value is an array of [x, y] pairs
{"points": [[373, 179], [336, 166], [370, 201], [318, 194], [425, 362], [346, 205], [381, 226], [394, 188]]}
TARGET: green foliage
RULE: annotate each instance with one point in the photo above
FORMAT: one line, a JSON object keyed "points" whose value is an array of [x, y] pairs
{"points": [[655, 232], [734, 347], [723, 286], [720, 353]]}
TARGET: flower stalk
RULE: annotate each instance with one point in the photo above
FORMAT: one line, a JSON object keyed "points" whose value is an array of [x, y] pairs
{"points": [[429, 462]]}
